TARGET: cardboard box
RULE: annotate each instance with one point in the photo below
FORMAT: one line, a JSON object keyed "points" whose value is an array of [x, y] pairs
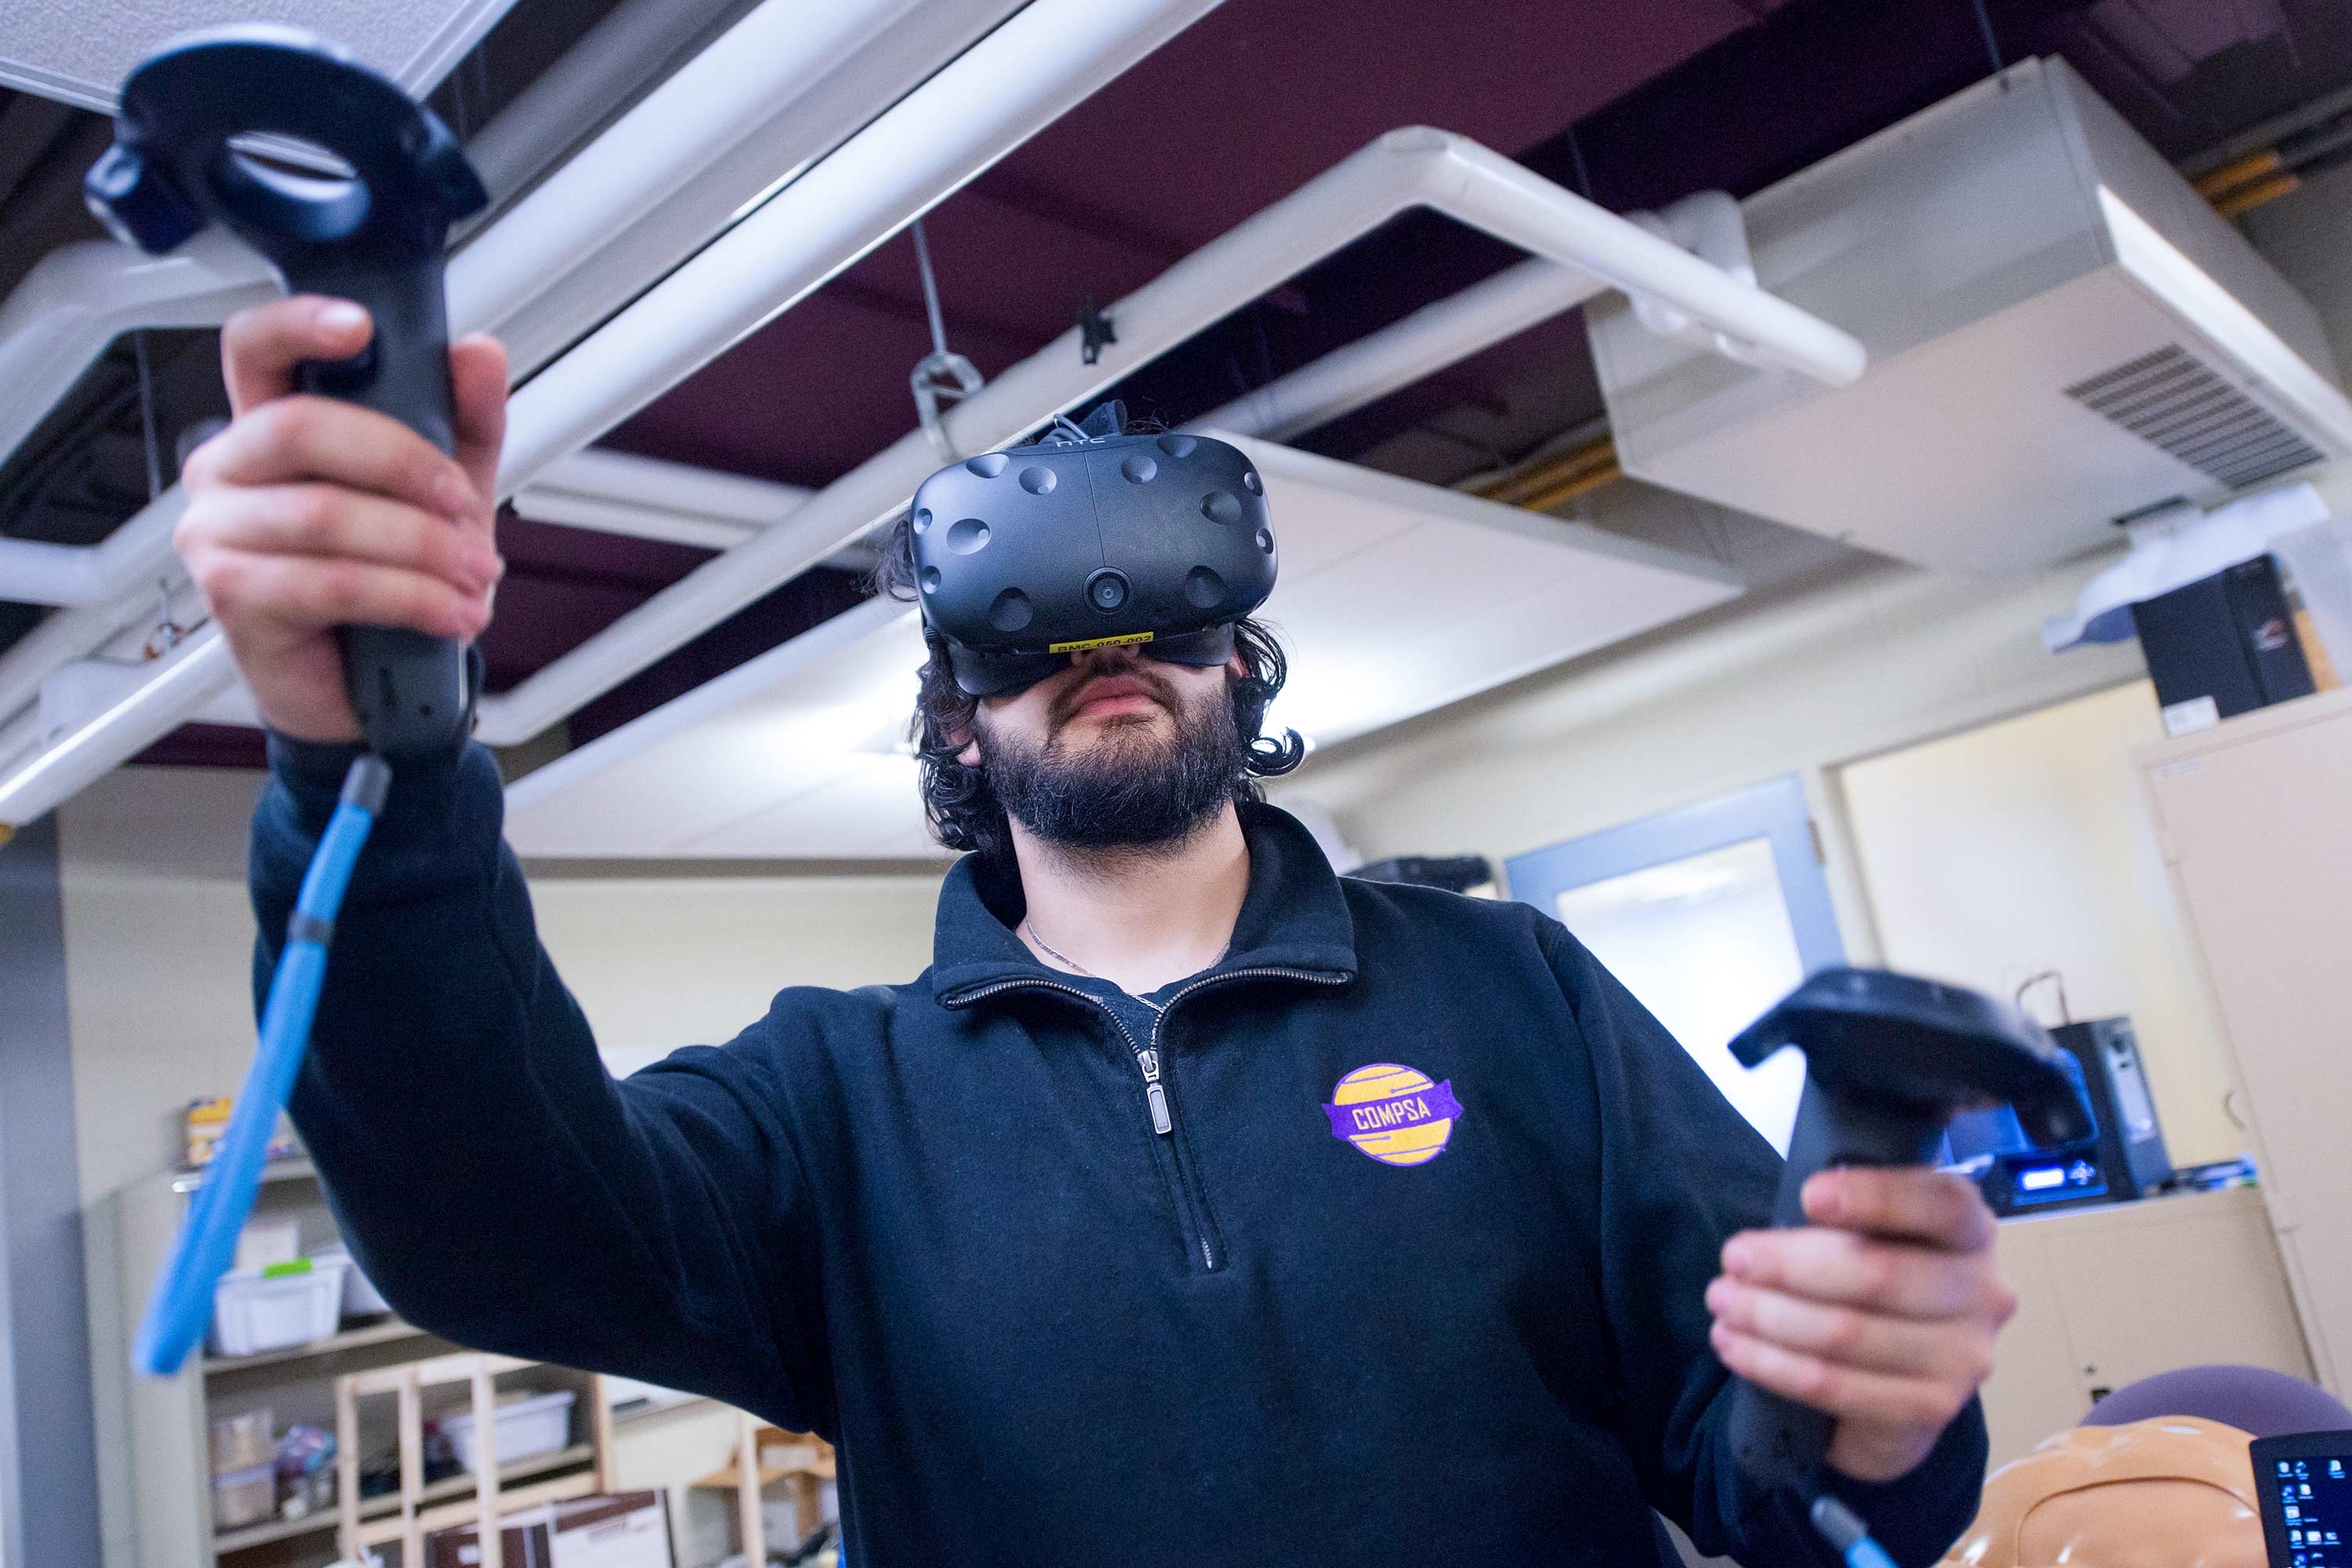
{"points": [[630, 1530], [627, 1529]]}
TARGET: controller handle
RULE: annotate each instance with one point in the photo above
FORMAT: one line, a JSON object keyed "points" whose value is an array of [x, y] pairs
{"points": [[1888, 1059], [412, 691], [376, 237]]}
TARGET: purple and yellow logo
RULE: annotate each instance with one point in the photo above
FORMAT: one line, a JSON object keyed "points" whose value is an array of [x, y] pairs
{"points": [[1394, 1113]]}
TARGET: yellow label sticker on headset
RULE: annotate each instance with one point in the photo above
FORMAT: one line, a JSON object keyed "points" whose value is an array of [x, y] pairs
{"points": [[1097, 642]]}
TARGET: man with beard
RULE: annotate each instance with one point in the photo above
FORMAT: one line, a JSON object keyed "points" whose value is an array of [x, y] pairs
{"points": [[1194, 1206]]}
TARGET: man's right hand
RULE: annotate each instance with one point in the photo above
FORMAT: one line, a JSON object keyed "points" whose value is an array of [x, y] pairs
{"points": [[307, 513]]}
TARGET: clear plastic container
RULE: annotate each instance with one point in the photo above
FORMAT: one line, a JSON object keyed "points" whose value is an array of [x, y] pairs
{"points": [[241, 1442], [277, 1308], [360, 1297], [527, 1427], [244, 1496]]}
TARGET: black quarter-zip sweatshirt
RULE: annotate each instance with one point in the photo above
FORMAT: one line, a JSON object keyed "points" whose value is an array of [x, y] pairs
{"points": [[1383, 1241]]}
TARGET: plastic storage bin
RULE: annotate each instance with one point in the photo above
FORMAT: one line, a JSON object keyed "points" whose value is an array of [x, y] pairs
{"points": [[527, 1427], [244, 1496], [243, 1442], [274, 1308], [360, 1297]]}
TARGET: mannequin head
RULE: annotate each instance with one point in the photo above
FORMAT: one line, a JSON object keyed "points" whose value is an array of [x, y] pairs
{"points": [[2171, 1493]]}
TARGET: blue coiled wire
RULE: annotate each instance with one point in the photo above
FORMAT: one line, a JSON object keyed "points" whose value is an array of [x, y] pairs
{"points": [[182, 1305]]}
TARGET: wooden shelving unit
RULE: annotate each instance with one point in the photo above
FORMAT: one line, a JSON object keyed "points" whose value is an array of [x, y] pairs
{"points": [[155, 1433], [383, 1332], [272, 1531], [813, 1463]]}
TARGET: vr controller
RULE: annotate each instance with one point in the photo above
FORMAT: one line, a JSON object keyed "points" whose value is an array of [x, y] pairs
{"points": [[1888, 1059], [1087, 539], [376, 237]]}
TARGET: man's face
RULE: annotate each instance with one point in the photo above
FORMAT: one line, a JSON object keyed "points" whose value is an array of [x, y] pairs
{"points": [[1116, 752]]}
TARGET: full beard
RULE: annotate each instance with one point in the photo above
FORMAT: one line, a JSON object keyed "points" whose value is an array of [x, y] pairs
{"points": [[1138, 789]]}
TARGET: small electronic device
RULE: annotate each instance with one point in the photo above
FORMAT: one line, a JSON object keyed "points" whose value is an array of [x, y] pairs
{"points": [[2306, 1498], [1888, 1059], [1455, 873], [2016, 1173], [2229, 638], [2131, 1140], [1085, 539], [2122, 1157]]}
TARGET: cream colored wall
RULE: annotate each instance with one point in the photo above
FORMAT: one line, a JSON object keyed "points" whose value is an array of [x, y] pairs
{"points": [[159, 935], [1879, 658], [1886, 658], [2026, 846], [658, 963], [158, 943], [158, 940]]}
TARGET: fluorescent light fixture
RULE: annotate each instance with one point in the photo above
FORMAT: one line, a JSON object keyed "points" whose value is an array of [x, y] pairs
{"points": [[1395, 598]]}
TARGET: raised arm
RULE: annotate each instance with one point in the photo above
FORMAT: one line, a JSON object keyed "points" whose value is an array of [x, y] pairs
{"points": [[493, 1180], [496, 1184]]}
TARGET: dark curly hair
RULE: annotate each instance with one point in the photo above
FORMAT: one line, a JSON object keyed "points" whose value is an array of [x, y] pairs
{"points": [[963, 810]]}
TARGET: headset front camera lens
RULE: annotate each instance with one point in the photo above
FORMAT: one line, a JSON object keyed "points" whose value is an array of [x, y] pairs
{"points": [[1107, 590]]}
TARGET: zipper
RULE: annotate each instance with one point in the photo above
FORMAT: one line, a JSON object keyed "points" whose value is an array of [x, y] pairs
{"points": [[1147, 1060]]}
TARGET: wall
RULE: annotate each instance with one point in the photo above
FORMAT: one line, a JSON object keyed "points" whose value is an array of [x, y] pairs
{"points": [[159, 937], [48, 1497], [1876, 659], [2043, 856], [1867, 663]]}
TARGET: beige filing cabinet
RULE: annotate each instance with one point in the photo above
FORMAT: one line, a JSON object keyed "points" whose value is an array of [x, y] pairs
{"points": [[2254, 818], [2112, 1294]]}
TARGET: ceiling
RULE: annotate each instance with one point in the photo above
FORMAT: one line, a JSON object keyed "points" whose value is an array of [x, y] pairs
{"points": [[793, 755], [77, 51], [1635, 105]]}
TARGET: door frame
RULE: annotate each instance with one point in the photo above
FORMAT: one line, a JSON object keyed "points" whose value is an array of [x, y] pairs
{"points": [[1775, 810]]}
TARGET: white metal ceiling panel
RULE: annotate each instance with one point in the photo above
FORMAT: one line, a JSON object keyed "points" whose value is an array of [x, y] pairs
{"points": [[1395, 598], [80, 50]]}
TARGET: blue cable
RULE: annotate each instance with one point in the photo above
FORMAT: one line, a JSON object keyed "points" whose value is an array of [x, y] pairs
{"points": [[182, 1305], [1847, 1535]]}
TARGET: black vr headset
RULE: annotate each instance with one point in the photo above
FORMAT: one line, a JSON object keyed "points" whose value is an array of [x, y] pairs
{"points": [[1085, 539]]}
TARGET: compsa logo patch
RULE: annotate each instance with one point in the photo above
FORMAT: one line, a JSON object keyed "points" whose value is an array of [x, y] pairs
{"points": [[1394, 1113]]}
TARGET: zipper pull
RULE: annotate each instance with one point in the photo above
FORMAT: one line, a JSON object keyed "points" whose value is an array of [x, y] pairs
{"points": [[1149, 1060]]}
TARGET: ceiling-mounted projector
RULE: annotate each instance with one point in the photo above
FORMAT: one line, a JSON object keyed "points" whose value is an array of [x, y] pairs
{"points": [[2062, 333]]}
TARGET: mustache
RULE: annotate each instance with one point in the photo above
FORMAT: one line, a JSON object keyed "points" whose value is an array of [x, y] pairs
{"points": [[1065, 706]]}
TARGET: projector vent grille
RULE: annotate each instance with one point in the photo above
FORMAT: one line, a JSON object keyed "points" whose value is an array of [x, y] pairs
{"points": [[2174, 400]]}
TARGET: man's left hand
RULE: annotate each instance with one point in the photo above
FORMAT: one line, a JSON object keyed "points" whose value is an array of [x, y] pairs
{"points": [[1882, 1311]]}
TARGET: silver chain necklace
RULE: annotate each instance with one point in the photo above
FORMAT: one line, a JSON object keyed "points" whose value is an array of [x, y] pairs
{"points": [[1066, 962]]}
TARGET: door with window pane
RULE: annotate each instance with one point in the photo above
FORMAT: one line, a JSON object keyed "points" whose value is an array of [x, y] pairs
{"points": [[1708, 914]]}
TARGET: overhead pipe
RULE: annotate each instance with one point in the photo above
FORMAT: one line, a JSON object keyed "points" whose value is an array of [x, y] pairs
{"points": [[759, 268], [992, 98], [66, 636], [18, 736], [588, 81], [769, 95], [646, 498], [1408, 168], [81, 296], [1450, 329], [801, 96], [739, 114], [971, 112], [186, 680]]}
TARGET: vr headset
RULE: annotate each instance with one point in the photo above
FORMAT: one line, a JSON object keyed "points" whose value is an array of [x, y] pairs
{"points": [[1086, 539]]}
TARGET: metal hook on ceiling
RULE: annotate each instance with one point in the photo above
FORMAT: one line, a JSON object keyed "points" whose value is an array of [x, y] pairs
{"points": [[941, 373]]}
